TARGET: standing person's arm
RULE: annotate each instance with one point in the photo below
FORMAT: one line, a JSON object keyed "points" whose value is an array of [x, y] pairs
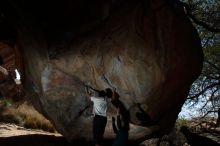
{"points": [[115, 99], [115, 95], [119, 119], [114, 126], [88, 95], [89, 100]]}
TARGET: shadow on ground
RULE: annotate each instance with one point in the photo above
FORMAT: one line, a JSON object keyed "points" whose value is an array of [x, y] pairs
{"points": [[47, 140]]}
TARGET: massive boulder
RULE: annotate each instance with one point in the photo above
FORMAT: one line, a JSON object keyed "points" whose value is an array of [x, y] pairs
{"points": [[148, 51]]}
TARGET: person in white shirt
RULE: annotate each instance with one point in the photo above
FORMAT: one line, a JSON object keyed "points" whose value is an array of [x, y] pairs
{"points": [[100, 104]]}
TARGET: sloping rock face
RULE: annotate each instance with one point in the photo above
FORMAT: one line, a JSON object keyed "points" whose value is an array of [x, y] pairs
{"points": [[148, 51]]}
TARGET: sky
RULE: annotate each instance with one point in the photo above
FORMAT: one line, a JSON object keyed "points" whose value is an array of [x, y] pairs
{"points": [[189, 112]]}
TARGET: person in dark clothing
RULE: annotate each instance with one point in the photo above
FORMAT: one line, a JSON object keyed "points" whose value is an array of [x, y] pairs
{"points": [[122, 128], [123, 118]]}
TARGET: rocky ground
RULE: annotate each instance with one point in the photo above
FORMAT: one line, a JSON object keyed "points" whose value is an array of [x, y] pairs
{"points": [[13, 135]]}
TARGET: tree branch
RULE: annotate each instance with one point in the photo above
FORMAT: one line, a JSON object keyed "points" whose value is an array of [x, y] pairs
{"points": [[201, 23], [211, 64], [203, 91], [208, 112]]}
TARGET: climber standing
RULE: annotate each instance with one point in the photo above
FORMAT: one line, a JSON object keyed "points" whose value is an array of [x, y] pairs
{"points": [[121, 129], [121, 126], [100, 103]]}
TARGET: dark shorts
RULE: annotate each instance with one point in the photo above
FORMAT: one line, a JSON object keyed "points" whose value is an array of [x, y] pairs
{"points": [[99, 123]]}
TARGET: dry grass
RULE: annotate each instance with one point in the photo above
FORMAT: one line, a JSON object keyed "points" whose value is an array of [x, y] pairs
{"points": [[25, 115], [181, 122]]}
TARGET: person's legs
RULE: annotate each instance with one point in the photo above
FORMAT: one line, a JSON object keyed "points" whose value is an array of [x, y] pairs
{"points": [[96, 131], [99, 124], [103, 123], [121, 138]]}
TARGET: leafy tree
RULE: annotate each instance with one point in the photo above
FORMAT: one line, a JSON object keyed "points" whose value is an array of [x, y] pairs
{"points": [[205, 92]]}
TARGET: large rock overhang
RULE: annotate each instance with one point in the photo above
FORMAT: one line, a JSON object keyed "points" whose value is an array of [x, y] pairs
{"points": [[149, 51]]}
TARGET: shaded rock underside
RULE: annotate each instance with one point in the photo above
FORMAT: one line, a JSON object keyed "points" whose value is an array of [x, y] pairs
{"points": [[148, 51]]}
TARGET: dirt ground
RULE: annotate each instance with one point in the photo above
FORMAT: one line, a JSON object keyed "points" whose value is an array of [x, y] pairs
{"points": [[13, 135]]}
